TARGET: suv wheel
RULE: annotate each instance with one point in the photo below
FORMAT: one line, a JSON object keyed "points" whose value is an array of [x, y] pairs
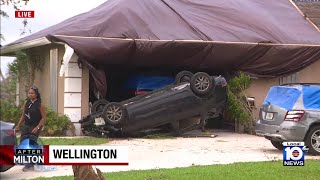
{"points": [[183, 76], [313, 140], [98, 105], [202, 84], [114, 113], [277, 144]]}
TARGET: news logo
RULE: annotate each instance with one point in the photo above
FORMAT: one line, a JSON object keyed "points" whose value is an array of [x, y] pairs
{"points": [[24, 14], [28, 152], [293, 153]]}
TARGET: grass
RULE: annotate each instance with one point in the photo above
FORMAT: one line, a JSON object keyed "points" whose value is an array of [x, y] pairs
{"points": [[72, 141], [252, 170]]}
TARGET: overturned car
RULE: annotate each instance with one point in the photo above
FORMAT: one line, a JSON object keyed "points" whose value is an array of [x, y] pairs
{"points": [[193, 96]]}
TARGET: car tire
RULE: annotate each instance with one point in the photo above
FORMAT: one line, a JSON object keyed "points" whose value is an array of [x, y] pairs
{"points": [[277, 144], [183, 76], [98, 105], [114, 113], [202, 84], [313, 133]]}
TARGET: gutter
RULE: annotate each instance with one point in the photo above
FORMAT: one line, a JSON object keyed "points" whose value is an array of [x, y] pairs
{"points": [[9, 50]]}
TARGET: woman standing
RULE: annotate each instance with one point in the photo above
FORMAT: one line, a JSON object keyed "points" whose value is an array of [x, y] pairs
{"points": [[33, 117]]}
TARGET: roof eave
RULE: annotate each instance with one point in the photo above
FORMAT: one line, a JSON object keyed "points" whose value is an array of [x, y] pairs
{"points": [[11, 49]]}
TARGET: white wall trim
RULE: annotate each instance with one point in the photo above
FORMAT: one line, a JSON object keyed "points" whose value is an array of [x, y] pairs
{"points": [[72, 87], [6, 50], [54, 78]]}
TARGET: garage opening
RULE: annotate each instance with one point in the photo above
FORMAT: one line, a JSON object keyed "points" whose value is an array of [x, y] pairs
{"points": [[125, 82]]}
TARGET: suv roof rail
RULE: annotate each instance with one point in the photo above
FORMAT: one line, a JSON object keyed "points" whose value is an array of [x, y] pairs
{"points": [[288, 84]]}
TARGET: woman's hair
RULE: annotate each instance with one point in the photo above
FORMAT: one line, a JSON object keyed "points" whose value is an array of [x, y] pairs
{"points": [[36, 90]]}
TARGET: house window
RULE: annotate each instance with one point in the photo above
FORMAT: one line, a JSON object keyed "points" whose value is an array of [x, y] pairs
{"points": [[293, 78]]}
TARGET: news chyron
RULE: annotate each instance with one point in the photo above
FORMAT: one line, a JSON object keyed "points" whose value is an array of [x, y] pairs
{"points": [[89, 155], [65, 155], [294, 153]]}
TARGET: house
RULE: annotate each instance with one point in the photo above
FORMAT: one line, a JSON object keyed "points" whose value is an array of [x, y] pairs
{"points": [[65, 83], [311, 74]]}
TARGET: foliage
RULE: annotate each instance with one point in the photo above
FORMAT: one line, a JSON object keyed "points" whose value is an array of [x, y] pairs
{"points": [[17, 5], [238, 106], [73, 141], [10, 113], [55, 125], [23, 68], [8, 89]]}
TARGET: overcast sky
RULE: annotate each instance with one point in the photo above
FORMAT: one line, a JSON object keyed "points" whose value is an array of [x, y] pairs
{"points": [[47, 13]]}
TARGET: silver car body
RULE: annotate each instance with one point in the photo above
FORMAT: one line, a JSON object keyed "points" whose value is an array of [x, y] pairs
{"points": [[272, 125]]}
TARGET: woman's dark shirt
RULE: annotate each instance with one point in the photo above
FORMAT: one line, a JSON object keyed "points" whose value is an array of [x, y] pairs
{"points": [[32, 113]]}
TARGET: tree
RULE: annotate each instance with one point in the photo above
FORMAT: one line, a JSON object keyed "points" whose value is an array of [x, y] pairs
{"points": [[17, 5], [238, 106]]}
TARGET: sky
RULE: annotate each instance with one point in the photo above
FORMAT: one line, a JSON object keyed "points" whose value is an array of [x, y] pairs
{"points": [[47, 13]]}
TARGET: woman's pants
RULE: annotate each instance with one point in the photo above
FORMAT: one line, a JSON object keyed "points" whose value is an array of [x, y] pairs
{"points": [[26, 133]]}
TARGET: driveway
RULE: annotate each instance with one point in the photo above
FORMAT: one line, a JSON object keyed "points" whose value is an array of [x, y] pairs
{"points": [[225, 148]]}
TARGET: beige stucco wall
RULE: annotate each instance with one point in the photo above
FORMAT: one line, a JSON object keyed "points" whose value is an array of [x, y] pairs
{"points": [[311, 74], [260, 87], [42, 78], [258, 90]]}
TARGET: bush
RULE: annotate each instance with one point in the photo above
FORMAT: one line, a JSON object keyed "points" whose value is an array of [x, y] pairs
{"points": [[55, 125], [238, 107], [10, 113]]}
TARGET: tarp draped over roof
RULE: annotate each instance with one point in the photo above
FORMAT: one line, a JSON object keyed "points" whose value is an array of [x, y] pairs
{"points": [[268, 38]]}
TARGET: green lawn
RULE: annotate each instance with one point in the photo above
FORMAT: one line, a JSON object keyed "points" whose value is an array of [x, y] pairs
{"points": [[252, 170], [72, 141]]}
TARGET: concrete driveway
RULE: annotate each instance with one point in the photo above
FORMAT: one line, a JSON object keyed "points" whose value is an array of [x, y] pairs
{"points": [[225, 148]]}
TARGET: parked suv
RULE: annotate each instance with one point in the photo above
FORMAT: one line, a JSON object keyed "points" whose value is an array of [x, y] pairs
{"points": [[291, 113]]}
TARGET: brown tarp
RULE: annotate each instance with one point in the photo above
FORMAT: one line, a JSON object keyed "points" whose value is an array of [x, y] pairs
{"points": [[266, 38]]}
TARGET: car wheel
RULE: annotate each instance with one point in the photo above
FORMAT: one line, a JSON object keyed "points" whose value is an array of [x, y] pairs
{"points": [[98, 105], [201, 84], [183, 76], [313, 140], [277, 144], [114, 113]]}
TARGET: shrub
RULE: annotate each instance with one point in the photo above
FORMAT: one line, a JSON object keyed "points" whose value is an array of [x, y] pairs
{"points": [[10, 113], [238, 107], [55, 125]]}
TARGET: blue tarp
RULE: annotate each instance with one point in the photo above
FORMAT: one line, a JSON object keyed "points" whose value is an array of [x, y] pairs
{"points": [[141, 82], [284, 97], [311, 97]]}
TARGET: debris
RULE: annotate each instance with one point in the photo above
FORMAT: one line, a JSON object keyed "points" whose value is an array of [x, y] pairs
{"points": [[87, 172]]}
